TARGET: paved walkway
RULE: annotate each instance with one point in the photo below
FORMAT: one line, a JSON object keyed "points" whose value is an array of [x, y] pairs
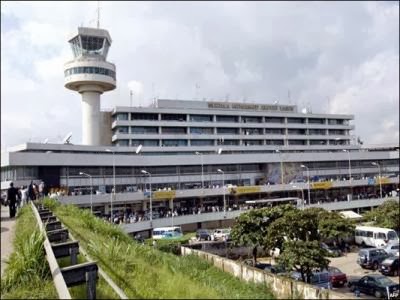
{"points": [[7, 236]]}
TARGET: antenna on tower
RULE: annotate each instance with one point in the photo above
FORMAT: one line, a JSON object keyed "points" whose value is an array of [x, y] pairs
{"points": [[329, 106], [98, 14], [197, 91], [130, 97], [288, 95]]}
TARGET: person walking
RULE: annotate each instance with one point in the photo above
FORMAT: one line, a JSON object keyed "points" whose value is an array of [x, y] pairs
{"points": [[31, 193], [12, 196], [24, 195]]}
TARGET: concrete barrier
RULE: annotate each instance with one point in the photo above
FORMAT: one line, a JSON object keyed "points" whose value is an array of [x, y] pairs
{"points": [[282, 287]]}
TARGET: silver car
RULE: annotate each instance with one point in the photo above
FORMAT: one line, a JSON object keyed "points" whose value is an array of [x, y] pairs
{"points": [[392, 249]]}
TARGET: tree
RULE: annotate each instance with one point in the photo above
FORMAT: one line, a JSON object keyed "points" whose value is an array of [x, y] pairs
{"points": [[297, 234], [303, 256], [387, 215], [333, 225], [251, 227]]}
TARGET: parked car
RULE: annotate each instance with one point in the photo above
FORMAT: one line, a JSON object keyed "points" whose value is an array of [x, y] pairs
{"points": [[392, 248], [390, 266], [276, 269], [221, 234], [371, 257], [337, 277], [320, 279], [203, 234], [376, 285], [332, 250]]}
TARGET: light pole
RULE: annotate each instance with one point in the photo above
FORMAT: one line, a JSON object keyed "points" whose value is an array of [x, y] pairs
{"points": [[380, 179], [91, 189], [202, 173], [302, 194], [308, 181], [151, 201], [348, 152], [223, 186], [113, 192], [280, 158]]}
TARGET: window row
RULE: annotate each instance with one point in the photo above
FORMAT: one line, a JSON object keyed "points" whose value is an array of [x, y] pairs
{"points": [[90, 70], [229, 131], [230, 119]]}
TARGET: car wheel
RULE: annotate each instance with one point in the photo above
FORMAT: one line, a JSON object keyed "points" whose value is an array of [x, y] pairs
{"points": [[375, 266], [363, 245], [378, 294]]}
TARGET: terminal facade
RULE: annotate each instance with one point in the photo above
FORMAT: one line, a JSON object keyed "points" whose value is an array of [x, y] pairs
{"points": [[189, 150]]}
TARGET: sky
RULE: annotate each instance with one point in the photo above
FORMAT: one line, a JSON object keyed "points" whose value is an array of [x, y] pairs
{"points": [[334, 57]]}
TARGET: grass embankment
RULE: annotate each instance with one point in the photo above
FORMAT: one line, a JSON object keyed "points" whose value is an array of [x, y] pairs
{"points": [[27, 275], [144, 272]]}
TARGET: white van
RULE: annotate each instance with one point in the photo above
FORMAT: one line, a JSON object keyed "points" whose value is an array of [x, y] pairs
{"points": [[167, 232], [375, 236]]}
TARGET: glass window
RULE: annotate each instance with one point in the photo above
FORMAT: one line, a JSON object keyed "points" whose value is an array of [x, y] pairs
{"points": [[174, 143], [316, 121], [274, 120], [392, 235], [173, 130], [144, 130], [274, 130], [295, 120], [227, 119], [173, 117], [201, 118], [144, 116], [251, 119], [228, 130], [202, 142], [201, 130]]}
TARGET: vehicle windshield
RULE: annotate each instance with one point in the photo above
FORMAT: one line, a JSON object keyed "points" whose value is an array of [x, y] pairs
{"points": [[334, 270], [392, 235], [384, 281]]}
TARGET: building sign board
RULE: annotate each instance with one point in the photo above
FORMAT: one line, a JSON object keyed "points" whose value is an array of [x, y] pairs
{"points": [[158, 195], [250, 106], [324, 185]]}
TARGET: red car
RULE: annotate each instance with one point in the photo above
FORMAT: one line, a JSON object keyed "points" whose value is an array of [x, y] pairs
{"points": [[336, 277]]}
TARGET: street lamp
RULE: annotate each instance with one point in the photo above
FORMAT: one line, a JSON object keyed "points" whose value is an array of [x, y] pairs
{"points": [[348, 152], [302, 194], [380, 179], [91, 189], [223, 186], [202, 173], [113, 192], [151, 201], [281, 160], [308, 181]]}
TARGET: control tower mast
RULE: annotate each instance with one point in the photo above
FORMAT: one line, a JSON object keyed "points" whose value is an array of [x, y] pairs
{"points": [[90, 75]]}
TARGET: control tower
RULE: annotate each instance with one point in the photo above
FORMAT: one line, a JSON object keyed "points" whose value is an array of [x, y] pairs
{"points": [[90, 75]]}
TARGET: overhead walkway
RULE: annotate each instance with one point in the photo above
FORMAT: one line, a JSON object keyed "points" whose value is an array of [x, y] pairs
{"points": [[216, 216]]}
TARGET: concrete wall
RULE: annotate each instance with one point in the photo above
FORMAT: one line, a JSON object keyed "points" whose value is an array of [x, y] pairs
{"points": [[282, 287]]}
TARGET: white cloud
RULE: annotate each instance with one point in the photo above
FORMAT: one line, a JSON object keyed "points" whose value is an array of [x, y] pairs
{"points": [[345, 51]]}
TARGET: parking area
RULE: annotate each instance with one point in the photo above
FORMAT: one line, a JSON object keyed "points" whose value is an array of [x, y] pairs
{"points": [[348, 264]]}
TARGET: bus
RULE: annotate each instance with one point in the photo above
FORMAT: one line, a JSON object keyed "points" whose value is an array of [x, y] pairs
{"points": [[297, 202], [375, 236], [167, 233]]}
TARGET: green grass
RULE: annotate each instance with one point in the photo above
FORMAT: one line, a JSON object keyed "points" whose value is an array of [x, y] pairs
{"points": [[27, 275], [144, 272]]}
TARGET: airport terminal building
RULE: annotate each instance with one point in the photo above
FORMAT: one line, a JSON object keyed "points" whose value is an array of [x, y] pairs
{"points": [[187, 151]]}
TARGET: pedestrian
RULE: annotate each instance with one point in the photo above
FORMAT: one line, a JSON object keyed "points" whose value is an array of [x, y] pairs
{"points": [[12, 196], [24, 195], [41, 190], [31, 193]]}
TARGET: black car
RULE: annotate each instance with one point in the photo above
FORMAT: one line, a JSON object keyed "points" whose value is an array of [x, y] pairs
{"points": [[376, 285], [203, 234], [390, 266]]}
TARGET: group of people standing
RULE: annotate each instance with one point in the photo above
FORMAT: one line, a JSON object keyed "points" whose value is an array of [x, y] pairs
{"points": [[16, 198]]}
